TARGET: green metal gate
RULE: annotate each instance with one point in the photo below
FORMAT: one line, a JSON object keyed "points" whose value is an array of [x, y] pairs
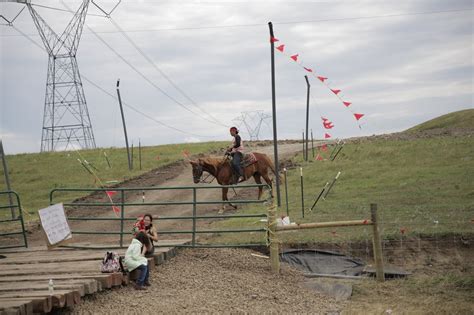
{"points": [[122, 204], [13, 227]]}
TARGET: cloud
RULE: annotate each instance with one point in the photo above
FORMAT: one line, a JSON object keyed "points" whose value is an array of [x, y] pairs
{"points": [[398, 70]]}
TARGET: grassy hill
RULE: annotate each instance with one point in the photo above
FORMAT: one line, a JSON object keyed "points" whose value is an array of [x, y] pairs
{"points": [[422, 186], [463, 119]]}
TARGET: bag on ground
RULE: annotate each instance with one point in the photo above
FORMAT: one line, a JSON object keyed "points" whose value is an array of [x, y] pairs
{"points": [[112, 262]]}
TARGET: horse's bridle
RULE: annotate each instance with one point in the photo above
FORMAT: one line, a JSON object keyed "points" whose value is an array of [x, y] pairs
{"points": [[199, 170]]}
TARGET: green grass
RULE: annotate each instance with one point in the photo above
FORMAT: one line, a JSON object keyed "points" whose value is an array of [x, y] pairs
{"points": [[421, 187], [461, 119], [34, 175], [446, 293]]}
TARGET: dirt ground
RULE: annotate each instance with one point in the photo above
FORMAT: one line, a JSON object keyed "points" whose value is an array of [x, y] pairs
{"points": [[235, 281], [203, 281]]}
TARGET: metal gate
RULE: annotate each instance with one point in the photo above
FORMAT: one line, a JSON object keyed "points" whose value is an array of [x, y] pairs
{"points": [[12, 226], [120, 204]]}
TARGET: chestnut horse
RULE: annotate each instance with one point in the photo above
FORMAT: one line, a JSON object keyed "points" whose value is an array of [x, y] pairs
{"points": [[222, 170]]}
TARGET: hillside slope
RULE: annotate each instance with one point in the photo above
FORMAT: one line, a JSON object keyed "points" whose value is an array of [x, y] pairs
{"points": [[460, 120]]}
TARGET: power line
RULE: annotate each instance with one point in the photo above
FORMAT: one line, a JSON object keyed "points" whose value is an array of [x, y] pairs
{"points": [[144, 114], [280, 23], [142, 53], [111, 95], [147, 79]]}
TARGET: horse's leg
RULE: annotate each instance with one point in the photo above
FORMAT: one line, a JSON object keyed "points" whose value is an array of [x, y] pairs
{"points": [[269, 182], [224, 198], [258, 180]]}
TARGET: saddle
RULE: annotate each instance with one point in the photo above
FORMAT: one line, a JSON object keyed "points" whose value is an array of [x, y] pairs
{"points": [[248, 159]]}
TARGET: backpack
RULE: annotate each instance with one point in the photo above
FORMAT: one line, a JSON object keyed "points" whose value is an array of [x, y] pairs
{"points": [[112, 262]]}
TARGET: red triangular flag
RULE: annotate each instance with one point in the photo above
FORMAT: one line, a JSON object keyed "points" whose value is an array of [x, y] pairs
{"points": [[328, 125], [347, 104], [281, 48], [116, 209], [273, 39], [110, 193], [358, 116], [327, 135], [294, 57], [322, 79], [335, 91], [308, 69], [324, 119], [318, 157], [324, 147]]}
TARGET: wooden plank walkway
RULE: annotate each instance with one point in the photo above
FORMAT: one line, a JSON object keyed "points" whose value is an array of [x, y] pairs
{"points": [[25, 274]]}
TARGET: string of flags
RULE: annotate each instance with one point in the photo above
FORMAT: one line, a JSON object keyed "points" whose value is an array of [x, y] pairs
{"points": [[327, 124], [295, 57]]}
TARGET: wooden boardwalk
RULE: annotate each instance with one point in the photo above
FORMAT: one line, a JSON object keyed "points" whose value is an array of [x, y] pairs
{"points": [[25, 274]]}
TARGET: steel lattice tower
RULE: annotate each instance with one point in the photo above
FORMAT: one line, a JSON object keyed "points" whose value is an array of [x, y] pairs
{"points": [[66, 120], [252, 120]]}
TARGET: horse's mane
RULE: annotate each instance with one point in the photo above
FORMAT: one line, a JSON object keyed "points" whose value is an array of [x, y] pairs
{"points": [[214, 161]]}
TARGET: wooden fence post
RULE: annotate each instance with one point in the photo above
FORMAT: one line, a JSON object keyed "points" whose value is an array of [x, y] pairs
{"points": [[274, 250], [377, 242]]}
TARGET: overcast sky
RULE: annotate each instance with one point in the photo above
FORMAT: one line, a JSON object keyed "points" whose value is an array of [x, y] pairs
{"points": [[398, 62]]}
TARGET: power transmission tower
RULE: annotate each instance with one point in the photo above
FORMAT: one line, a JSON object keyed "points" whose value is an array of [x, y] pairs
{"points": [[252, 121], [66, 120]]}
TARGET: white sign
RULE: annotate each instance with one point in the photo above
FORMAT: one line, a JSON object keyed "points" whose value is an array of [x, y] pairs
{"points": [[54, 223]]}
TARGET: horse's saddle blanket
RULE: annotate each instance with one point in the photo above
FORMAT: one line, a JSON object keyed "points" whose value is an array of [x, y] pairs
{"points": [[249, 159]]}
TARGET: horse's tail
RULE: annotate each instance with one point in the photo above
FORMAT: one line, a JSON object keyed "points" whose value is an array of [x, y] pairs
{"points": [[270, 164]]}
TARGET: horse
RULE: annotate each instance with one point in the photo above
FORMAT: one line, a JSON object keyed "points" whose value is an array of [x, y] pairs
{"points": [[222, 170]]}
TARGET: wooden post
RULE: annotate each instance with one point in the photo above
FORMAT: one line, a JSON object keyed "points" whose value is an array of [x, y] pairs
{"points": [[124, 126], [377, 242], [140, 153], [304, 152], [274, 251], [307, 117]]}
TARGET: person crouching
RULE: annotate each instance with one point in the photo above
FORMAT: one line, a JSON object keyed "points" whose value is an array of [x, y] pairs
{"points": [[135, 259]]}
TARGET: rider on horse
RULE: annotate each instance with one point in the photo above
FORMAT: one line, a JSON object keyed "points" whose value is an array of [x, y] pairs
{"points": [[236, 151]]}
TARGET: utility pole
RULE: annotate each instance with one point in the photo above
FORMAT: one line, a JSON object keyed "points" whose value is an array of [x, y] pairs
{"points": [[307, 116], [124, 126]]}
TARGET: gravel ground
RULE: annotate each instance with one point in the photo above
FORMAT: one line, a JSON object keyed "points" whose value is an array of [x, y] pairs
{"points": [[214, 281]]}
